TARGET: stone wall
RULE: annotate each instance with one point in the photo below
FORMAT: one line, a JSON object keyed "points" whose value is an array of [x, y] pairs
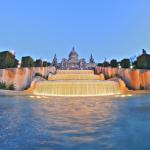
{"points": [[135, 79], [22, 77]]}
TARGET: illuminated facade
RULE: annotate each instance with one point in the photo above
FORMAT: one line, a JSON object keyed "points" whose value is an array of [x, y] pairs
{"points": [[74, 63]]}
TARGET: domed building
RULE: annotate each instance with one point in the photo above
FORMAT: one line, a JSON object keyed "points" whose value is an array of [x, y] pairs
{"points": [[73, 60], [74, 63]]}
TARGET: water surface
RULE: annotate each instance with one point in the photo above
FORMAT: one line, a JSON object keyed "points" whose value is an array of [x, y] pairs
{"points": [[104, 123]]}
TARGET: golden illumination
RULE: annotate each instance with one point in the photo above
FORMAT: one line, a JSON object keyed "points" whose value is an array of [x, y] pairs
{"points": [[75, 83]]}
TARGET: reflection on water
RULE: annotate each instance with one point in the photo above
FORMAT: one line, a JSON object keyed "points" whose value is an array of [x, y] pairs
{"points": [[33, 123]]}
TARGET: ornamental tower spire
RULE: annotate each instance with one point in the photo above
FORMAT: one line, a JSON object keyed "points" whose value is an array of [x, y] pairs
{"points": [[92, 59], [54, 62]]}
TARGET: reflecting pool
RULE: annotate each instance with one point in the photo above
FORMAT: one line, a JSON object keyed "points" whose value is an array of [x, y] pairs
{"points": [[100, 123]]}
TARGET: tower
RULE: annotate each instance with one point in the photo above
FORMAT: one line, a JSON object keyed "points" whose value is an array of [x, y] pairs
{"points": [[54, 62], [73, 59], [92, 59]]}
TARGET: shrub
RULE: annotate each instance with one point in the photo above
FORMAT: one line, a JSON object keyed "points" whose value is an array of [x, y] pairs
{"points": [[141, 87], [11, 87], [2, 85], [38, 74]]}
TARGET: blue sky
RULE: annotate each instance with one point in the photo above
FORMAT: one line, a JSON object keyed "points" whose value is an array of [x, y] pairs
{"points": [[107, 28]]}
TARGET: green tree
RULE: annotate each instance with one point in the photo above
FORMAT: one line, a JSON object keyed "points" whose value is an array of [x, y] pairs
{"points": [[106, 64], [45, 64], [27, 61], [8, 60], [3, 85], [143, 61], [100, 64], [114, 63], [125, 63], [48, 64], [38, 63]]}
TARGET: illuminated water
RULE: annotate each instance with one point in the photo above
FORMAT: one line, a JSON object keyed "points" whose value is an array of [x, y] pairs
{"points": [[74, 77], [104, 123], [75, 83], [76, 88]]}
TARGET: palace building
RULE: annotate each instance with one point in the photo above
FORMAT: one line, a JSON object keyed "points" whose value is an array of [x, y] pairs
{"points": [[74, 63]]}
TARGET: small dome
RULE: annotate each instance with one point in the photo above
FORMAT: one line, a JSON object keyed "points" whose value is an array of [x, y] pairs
{"points": [[64, 60]]}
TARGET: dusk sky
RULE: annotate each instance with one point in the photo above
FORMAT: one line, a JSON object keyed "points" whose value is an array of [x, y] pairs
{"points": [[107, 28]]}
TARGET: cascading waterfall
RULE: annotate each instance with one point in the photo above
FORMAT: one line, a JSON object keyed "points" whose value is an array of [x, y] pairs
{"points": [[74, 77], [63, 84]]}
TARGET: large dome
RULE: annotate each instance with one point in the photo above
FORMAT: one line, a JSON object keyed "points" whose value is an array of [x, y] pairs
{"points": [[73, 52]]}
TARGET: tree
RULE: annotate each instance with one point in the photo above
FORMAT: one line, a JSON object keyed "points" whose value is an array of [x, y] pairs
{"points": [[48, 64], [38, 63], [100, 64], [106, 64], [45, 64], [27, 61], [125, 63], [143, 61], [114, 63], [8, 60], [134, 64]]}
